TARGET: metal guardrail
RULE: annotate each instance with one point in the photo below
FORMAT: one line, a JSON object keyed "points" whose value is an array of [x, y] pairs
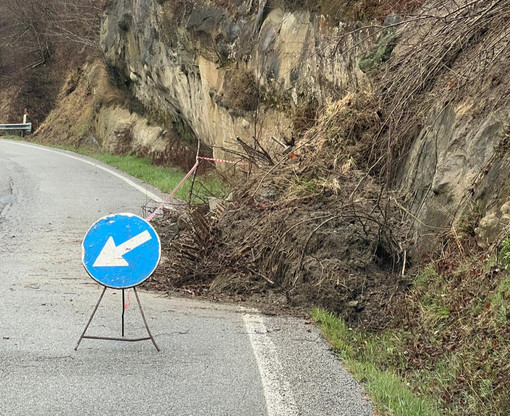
{"points": [[20, 126]]}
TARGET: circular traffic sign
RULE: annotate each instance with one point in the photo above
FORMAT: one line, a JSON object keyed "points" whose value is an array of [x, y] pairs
{"points": [[121, 251]]}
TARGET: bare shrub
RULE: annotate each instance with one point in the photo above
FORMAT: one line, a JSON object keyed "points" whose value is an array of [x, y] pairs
{"points": [[39, 41], [241, 90]]}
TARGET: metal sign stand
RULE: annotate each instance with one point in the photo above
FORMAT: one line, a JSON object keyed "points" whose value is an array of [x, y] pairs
{"points": [[123, 310]]}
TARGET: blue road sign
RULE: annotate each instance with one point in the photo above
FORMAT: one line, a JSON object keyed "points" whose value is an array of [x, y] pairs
{"points": [[121, 251]]}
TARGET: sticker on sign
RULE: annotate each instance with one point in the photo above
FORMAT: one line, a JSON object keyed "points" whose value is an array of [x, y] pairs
{"points": [[121, 251]]}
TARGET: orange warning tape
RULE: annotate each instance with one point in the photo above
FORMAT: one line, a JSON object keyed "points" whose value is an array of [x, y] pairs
{"points": [[239, 162]]}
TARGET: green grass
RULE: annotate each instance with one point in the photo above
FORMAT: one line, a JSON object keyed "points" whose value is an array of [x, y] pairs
{"points": [[379, 53], [447, 351], [372, 358], [505, 252], [426, 276], [500, 302], [163, 178]]}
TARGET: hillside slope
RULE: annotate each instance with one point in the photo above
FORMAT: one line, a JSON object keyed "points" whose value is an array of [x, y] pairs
{"points": [[228, 75]]}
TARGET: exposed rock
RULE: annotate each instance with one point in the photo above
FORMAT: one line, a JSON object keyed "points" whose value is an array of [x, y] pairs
{"points": [[494, 226], [188, 72], [392, 19], [456, 120], [456, 160], [92, 112]]}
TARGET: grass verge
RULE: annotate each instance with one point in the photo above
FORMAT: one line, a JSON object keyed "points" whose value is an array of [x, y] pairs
{"points": [[447, 349], [365, 356], [163, 178]]}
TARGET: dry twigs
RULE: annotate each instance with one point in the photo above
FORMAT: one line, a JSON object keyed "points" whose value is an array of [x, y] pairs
{"points": [[461, 42], [315, 228]]}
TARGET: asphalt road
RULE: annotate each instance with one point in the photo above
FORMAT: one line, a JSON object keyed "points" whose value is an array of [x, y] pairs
{"points": [[215, 359]]}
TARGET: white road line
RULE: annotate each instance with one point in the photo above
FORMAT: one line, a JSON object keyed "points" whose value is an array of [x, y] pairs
{"points": [[279, 398], [111, 172]]}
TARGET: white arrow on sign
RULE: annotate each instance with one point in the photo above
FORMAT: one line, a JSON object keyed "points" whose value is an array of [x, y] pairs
{"points": [[111, 255]]}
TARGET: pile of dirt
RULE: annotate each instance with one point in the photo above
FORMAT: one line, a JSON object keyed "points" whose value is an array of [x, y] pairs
{"points": [[313, 229]]}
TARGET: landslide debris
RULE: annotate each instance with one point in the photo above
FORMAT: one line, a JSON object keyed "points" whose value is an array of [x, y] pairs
{"points": [[314, 228]]}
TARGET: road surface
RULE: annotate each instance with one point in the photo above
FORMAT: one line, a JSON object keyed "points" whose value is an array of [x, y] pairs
{"points": [[215, 359]]}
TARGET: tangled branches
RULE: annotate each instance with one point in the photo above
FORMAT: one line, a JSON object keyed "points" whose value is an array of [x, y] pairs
{"points": [[313, 227], [450, 49]]}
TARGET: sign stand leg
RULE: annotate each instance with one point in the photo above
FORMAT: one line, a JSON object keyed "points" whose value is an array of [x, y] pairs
{"points": [[123, 311], [90, 320], [145, 321], [150, 337]]}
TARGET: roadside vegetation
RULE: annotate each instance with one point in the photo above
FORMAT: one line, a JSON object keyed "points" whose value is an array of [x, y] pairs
{"points": [[165, 178], [373, 360], [446, 349]]}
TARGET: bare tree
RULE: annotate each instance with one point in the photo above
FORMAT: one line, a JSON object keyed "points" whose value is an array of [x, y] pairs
{"points": [[34, 27], [39, 41], [76, 21], [23, 33]]}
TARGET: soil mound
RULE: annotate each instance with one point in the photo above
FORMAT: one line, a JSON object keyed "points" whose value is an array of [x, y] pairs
{"points": [[313, 229]]}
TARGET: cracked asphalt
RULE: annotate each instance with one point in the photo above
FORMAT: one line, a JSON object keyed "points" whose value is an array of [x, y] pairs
{"points": [[215, 359]]}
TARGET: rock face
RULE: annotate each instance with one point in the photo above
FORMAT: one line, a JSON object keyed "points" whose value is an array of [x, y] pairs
{"points": [[219, 73], [456, 171], [91, 112], [228, 71]]}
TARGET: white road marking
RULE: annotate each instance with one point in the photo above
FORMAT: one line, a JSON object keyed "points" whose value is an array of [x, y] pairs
{"points": [[279, 398], [111, 254], [146, 192], [278, 394]]}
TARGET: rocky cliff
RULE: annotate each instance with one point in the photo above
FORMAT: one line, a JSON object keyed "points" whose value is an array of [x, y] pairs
{"points": [[453, 82], [219, 71], [224, 71]]}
